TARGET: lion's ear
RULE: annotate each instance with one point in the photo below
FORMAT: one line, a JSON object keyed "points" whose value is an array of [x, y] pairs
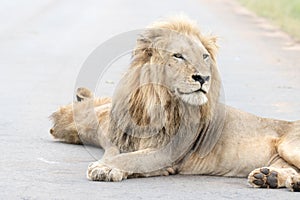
{"points": [[147, 42], [143, 51], [210, 43], [143, 44]]}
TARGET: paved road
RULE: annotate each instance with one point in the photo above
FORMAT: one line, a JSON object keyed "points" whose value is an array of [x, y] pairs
{"points": [[42, 47]]}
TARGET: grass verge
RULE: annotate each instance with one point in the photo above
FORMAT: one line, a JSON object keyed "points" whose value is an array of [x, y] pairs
{"points": [[284, 13]]}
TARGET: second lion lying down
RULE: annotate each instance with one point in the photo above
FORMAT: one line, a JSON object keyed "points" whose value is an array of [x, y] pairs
{"points": [[165, 118]]}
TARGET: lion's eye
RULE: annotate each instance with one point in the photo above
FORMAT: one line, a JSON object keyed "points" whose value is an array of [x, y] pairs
{"points": [[205, 56], [179, 56]]}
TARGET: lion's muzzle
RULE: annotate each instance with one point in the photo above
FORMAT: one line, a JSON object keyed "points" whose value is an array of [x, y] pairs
{"points": [[201, 79]]}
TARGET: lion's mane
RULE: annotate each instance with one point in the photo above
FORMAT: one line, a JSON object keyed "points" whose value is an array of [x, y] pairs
{"points": [[146, 114]]}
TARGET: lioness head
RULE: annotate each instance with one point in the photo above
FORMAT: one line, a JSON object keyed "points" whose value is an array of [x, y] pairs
{"points": [[180, 58]]}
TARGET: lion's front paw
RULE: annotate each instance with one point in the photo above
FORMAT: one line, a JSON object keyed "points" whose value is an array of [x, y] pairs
{"points": [[98, 171], [293, 183], [263, 178]]}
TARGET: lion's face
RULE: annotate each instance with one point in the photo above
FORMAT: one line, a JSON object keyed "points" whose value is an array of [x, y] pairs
{"points": [[187, 67]]}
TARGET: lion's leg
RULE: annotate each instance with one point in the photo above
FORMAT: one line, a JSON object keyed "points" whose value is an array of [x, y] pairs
{"points": [[163, 172], [128, 165], [289, 145], [277, 175], [289, 149]]}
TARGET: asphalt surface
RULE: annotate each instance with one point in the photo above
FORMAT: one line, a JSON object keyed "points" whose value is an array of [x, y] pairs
{"points": [[43, 45]]}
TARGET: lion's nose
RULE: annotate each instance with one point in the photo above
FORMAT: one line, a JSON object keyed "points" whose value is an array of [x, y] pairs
{"points": [[200, 79]]}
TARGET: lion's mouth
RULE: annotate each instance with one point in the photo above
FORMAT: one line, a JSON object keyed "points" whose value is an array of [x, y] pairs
{"points": [[196, 91], [200, 90]]}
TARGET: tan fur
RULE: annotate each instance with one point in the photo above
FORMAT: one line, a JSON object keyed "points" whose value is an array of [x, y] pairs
{"points": [[158, 100]]}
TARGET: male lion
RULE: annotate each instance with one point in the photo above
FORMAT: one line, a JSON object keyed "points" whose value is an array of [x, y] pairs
{"points": [[165, 118]]}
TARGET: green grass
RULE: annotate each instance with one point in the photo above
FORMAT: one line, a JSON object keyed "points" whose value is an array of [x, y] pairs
{"points": [[284, 13]]}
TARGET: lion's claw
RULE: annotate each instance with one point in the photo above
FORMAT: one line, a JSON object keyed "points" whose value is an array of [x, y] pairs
{"points": [[99, 171]]}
